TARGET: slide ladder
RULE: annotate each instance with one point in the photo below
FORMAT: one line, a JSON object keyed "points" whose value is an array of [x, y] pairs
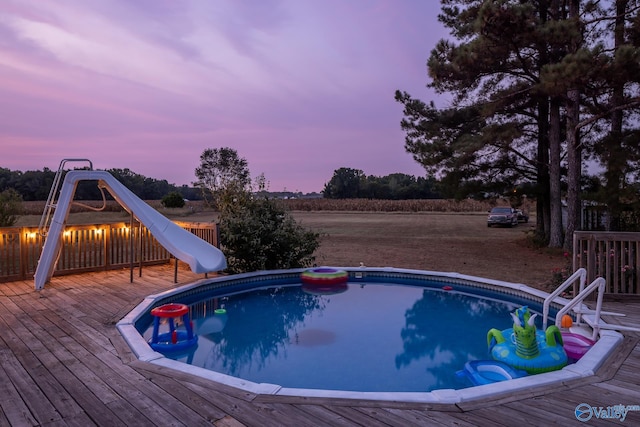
{"points": [[52, 200]]}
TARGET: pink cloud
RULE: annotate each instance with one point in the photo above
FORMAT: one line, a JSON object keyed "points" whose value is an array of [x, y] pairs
{"points": [[299, 88]]}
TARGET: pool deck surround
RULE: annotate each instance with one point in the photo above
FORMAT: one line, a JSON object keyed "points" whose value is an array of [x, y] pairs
{"points": [[63, 362]]}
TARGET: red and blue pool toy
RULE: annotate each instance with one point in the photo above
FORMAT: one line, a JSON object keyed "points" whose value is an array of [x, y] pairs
{"points": [[174, 340]]}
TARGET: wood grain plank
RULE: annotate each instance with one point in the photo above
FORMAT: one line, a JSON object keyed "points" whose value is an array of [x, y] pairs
{"points": [[386, 416], [355, 416], [207, 410], [26, 368], [12, 407], [461, 419]]}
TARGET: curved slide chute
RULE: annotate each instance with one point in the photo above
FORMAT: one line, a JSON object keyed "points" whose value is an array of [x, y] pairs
{"points": [[201, 256]]}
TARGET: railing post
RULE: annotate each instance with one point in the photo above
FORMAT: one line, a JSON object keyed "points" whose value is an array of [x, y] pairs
{"points": [[107, 245], [591, 258], [140, 254], [131, 257], [23, 248]]}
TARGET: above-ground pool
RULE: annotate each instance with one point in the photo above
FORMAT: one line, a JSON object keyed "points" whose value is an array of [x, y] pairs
{"points": [[369, 337], [390, 334]]}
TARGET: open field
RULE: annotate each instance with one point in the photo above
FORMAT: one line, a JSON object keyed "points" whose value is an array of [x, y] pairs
{"points": [[316, 204], [459, 243], [441, 241]]}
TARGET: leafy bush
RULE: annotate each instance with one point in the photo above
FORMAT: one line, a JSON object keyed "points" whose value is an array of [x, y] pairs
{"points": [[560, 274], [173, 200], [256, 233], [259, 234], [10, 207]]}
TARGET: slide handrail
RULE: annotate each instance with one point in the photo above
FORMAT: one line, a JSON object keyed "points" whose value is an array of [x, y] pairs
{"points": [[51, 204]]}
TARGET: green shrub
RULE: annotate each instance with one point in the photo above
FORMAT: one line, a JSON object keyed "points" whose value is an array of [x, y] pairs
{"points": [[173, 200], [256, 233], [10, 207], [259, 234]]}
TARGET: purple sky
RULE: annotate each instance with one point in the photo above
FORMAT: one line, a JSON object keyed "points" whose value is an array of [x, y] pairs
{"points": [[299, 88]]}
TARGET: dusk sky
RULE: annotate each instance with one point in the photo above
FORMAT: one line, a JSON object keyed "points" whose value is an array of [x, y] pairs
{"points": [[299, 88]]}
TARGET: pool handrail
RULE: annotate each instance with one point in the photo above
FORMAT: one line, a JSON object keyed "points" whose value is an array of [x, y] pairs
{"points": [[599, 283], [581, 274]]}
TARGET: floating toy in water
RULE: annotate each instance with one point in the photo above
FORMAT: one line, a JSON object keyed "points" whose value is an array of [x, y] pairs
{"points": [[527, 348], [212, 324], [566, 321], [322, 289], [576, 345], [174, 340], [325, 276], [481, 372]]}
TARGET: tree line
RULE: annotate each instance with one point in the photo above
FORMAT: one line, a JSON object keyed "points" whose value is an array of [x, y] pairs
{"points": [[536, 88], [348, 183], [36, 185], [345, 183]]}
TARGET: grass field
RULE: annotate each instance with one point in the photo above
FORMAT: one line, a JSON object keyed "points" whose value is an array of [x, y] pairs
{"points": [[450, 242], [441, 241]]}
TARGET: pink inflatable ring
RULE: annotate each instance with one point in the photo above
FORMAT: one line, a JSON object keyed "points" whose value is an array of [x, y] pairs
{"points": [[576, 345], [324, 276]]}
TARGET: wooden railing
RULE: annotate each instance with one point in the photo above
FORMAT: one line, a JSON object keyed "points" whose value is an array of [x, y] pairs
{"points": [[614, 256], [89, 248]]}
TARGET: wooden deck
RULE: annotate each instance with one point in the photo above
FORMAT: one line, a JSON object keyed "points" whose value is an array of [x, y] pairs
{"points": [[63, 363]]}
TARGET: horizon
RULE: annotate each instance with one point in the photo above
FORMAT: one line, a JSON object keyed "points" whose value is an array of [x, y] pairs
{"points": [[298, 88], [190, 185]]}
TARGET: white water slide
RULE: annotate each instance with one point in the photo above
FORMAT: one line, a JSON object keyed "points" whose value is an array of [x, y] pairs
{"points": [[201, 256]]}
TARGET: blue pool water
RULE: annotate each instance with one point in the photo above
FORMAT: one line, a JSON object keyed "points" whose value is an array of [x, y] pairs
{"points": [[372, 337]]}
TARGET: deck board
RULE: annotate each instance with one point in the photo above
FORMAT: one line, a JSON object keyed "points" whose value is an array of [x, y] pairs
{"points": [[387, 416], [352, 415], [431, 418], [23, 402], [193, 401], [63, 363]]}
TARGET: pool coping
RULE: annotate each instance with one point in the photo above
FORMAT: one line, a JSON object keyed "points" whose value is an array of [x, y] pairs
{"points": [[586, 367]]}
